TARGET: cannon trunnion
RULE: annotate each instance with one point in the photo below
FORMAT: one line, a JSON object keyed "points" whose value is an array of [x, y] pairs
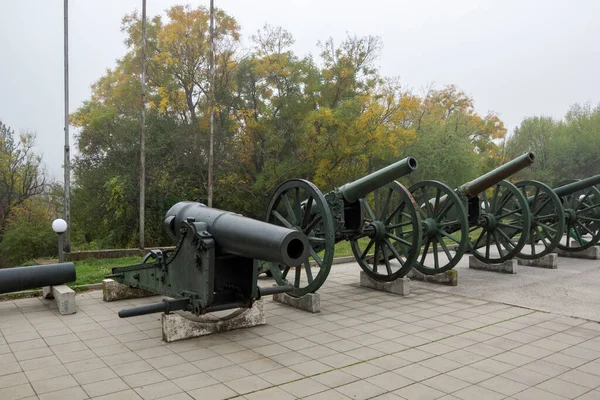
{"points": [[214, 265]]}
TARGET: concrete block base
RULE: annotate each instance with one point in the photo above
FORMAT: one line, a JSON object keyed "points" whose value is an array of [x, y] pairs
{"points": [[47, 292], [507, 267], [399, 286], [113, 290], [449, 278], [592, 253], [65, 299], [176, 327], [310, 302], [549, 261]]}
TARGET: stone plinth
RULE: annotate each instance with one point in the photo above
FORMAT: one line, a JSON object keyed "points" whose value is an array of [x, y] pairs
{"points": [[399, 286], [310, 302], [449, 278], [591, 253], [176, 327], [65, 299], [507, 267], [549, 261], [113, 290]]}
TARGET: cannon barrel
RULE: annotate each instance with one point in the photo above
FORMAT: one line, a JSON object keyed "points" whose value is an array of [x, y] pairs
{"points": [[486, 181], [35, 276], [242, 236], [576, 186], [361, 187]]}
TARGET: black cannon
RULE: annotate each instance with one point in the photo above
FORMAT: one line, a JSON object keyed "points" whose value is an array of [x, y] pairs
{"points": [[214, 264], [35, 276]]}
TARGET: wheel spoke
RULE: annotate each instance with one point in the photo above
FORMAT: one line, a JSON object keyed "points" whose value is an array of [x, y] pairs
{"points": [[446, 234], [309, 276], [297, 276], [312, 224], [314, 255], [438, 193], [397, 239], [288, 207], [387, 203], [388, 267], [316, 239], [487, 245], [394, 251], [507, 242], [497, 242], [366, 251], [307, 211], [366, 207], [444, 247], [297, 206], [281, 219], [375, 257], [285, 271], [436, 261]]}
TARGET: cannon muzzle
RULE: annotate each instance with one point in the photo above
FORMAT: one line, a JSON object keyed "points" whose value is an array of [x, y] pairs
{"points": [[361, 187], [486, 181], [23, 278], [577, 186], [242, 236]]}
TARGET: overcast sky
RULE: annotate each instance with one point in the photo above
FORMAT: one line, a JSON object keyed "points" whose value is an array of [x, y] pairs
{"points": [[517, 58]]}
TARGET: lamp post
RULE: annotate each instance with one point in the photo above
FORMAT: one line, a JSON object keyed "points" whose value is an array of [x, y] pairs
{"points": [[60, 226]]}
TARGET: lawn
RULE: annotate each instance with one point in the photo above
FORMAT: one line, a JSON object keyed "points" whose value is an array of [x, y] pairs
{"points": [[94, 270]]}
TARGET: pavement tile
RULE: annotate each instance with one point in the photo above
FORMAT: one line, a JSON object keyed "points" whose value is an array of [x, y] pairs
{"points": [[35, 363], [592, 395], [195, 381], [282, 375], [95, 375], [212, 363], [581, 378], [247, 384], [310, 368], [418, 391], [389, 381], [131, 368], [534, 393], [503, 385], [470, 374], [157, 390], [85, 365], [591, 368], [446, 383], [213, 392], [360, 390], [13, 379], [476, 392], [390, 362], [547, 368], [229, 373], [492, 366], [562, 388], [16, 392], [179, 370], [304, 387], [73, 393], [105, 387], [270, 394], [46, 373], [525, 376], [53, 384], [516, 359], [363, 370], [565, 360], [333, 395]]}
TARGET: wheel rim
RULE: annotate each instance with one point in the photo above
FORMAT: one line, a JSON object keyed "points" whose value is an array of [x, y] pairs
{"points": [[392, 233], [504, 219], [547, 219], [582, 219], [445, 227], [298, 204]]}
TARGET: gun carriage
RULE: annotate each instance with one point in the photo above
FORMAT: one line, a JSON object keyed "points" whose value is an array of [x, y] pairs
{"points": [[567, 217], [376, 214], [214, 265], [488, 217]]}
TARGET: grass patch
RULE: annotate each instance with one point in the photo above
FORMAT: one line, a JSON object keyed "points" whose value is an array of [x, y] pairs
{"points": [[93, 270]]}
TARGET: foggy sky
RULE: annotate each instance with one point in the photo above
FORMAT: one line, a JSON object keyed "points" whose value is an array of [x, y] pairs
{"points": [[517, 58]]}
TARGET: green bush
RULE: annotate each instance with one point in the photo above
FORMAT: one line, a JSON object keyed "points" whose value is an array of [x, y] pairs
{"points": [[28, 234]]}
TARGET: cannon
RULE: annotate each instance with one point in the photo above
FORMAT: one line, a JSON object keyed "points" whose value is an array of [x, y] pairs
{"points": [[376, 214], [214, 265], [488, 217], [35, 276], [566, 217]]}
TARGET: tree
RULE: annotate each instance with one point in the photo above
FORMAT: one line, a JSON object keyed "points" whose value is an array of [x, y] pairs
{"points": [[21, 174]]}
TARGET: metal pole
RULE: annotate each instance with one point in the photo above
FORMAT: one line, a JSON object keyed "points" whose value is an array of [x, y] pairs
{"points": [[143, 131], [67, 161], [212, 104], [61, 257]]}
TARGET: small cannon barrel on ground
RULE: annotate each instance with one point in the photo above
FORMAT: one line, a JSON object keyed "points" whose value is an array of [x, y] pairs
{"points": [[375, 214], [482, 216], [214, 264], [36, 276], [567, 217]]}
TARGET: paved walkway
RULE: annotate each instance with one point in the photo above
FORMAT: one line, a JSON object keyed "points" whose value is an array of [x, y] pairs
{"points": [[364, 344]]}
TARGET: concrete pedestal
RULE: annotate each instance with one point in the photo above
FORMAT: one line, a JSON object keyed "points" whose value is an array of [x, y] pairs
{"points": [[449, 278], [592, 253], [47, 292], [549, 261], [310, 302], [399, 286], [176, 327], [65, 299], [113, 290], [507, 267]]}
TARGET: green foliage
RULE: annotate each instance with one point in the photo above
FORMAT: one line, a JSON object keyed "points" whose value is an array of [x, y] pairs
{"points": [[28, 233]]}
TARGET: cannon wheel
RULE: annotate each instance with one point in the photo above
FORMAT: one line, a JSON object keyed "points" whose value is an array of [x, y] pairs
{"points": [[298, 204], [505, 217], [547, 219], [444, 221], [394, 232], [582, 217]]}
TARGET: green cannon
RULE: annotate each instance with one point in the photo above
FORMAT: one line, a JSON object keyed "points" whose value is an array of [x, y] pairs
{"points": [[489, 217], [214, 265], [376, 214], [566, 217]]}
